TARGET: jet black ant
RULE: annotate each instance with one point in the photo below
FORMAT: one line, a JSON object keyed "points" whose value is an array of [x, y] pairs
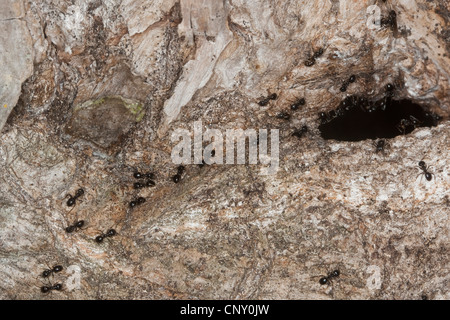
{"points": [[273, 96], [301, 132], [390, 21], [110, 233], [266, 100], [311, 60], [72, 200], [424, 168], [323, 116], [347, 82], [48, 272], [176, 178], [298, 103], [75, 227], [213, 153], [404, 124], [283, 115], [47, 289], [380, 145], [326, 279], [136, 202], [148, 175], [318, 53], [139, 185], [435, 118]]}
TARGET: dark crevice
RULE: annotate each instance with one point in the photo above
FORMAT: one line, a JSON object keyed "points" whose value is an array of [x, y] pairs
{"points": [[358, 119]]}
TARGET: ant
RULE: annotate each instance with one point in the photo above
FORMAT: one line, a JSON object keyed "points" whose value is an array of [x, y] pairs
{"points": [[435, 118], [301, 132], [266, 100], [273, 96], [326, 279], [380, 145], [213, 153], [136, 202], [48, 272], [424, 168], [47, 289], [389, 89], [139, 185], [75, 227], [283, 115], [149, 183], [110, 233], [323, 116], [297, 104], [310, 62], [347, 82], [72, 200], [406, 123], [176, 178], [139, 175], [390, 21], [318, 53]]}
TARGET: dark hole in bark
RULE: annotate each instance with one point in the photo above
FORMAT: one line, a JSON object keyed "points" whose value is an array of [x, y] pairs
{"points": [[358, 119]]}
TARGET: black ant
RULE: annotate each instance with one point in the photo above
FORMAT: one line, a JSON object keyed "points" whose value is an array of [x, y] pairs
{"points": [[139, 185], [311, 60], [176, 178], [150, 183], [404, 124], [301, 132], [318, 53], [136, 202], [72, 200], [213, 153], [283, 115], [424, 168], [266, 100], [75, 227], [389, 87], [323, 116], [380, 145], [298, 103], [47, 289], [139, 175], [326, 279], [390, 21], [435, 118], [347, 82], [273, 96], [48, 272], [110, 233]]}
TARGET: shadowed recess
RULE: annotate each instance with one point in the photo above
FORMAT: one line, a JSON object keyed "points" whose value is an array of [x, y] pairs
{"points": [[358, 119]]}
